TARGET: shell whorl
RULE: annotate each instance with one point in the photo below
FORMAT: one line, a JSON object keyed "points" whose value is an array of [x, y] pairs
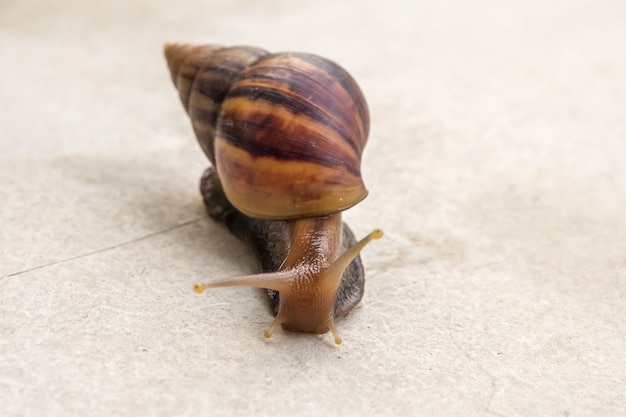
{"points": [[203, 75], [285, 131]]}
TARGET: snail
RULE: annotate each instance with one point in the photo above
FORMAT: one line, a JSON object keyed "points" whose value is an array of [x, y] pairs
{"points": [[284, 133]]}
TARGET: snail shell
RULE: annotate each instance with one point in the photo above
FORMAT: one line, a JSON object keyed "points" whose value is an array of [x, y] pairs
{"points": [[286, 131]]}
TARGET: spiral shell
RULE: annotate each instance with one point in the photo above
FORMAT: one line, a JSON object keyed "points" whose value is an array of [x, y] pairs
{"points": [[285, 131], [203, 75]]}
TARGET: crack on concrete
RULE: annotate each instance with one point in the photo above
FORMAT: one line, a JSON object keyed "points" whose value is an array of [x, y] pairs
{"points": [[493, 379], [109, 248]]}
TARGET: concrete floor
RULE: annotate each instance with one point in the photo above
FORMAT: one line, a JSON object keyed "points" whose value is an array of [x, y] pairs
{"points": [[496, 166]]}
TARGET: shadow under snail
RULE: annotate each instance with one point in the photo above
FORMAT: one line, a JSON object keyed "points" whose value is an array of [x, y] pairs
{"points": [[285, 133]]}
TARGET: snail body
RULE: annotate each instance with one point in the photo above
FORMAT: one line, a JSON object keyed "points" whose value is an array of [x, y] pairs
{"points": [[285, 133]]}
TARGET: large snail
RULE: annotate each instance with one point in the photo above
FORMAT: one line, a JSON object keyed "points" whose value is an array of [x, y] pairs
{"points": [[284, 133]]}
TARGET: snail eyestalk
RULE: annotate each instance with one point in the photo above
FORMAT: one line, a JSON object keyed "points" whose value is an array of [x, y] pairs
{"points": [[277, 281], [335, 271]]}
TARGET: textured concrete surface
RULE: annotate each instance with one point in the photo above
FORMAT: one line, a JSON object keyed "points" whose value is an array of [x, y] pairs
{"points": [[496, 166]]}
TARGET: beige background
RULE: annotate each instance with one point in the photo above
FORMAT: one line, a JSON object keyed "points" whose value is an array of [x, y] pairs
{"points": [[496, 166]]}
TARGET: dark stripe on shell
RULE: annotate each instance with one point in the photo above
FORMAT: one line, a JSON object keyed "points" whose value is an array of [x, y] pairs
{"points": [[326, 108], [280, 144], [298, 106], [223, 68], [336, 72], [209, 85], [346, 81]]}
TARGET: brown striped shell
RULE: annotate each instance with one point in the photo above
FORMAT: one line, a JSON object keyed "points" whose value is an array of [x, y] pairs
{"points": [[285, 131]]}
